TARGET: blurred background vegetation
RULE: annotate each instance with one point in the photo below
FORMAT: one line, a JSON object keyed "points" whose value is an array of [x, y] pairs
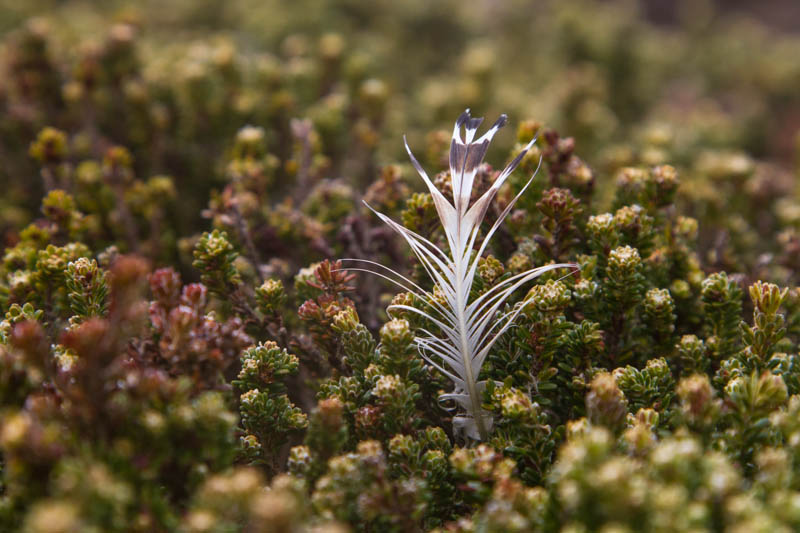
{"points": [[173, 81]]}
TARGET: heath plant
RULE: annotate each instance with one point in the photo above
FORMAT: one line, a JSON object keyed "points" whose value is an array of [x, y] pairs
{"points": [[227, 302]]}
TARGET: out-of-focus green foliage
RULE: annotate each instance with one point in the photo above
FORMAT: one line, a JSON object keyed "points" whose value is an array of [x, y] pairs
{"points": [[182, 350]]}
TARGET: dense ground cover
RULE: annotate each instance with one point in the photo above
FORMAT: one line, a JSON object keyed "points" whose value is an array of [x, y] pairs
{"points": [[182, 350]]}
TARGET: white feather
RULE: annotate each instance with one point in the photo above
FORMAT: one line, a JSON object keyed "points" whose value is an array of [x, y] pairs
{"points": [[469, 329]]}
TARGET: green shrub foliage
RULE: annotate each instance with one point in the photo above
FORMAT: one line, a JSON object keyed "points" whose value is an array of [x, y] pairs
{"points": [[182, 348]]}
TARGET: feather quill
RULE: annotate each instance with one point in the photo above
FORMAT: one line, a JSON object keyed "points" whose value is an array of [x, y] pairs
{"points": [[468, 330]]}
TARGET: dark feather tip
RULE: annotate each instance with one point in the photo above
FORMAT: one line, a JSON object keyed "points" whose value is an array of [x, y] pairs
{"points": [[500, 122], [463, 118], [474, 123]]}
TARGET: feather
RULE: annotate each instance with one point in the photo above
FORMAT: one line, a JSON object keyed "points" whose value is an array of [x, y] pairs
{"points": [[468, 330]]}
